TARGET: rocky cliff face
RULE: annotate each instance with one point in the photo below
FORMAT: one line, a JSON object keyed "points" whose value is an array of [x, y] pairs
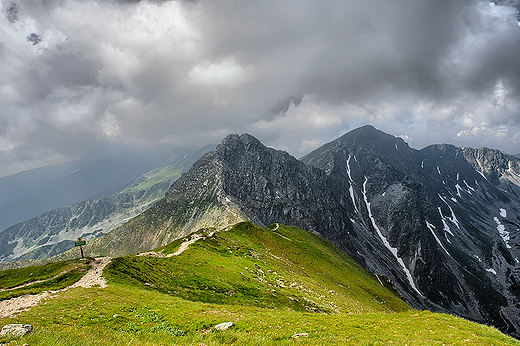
{"points": [[272, 186], [440, 222], [500, 169]]}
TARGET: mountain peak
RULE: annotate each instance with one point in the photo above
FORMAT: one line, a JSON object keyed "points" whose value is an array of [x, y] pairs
{"points": [[369, 134], [367, 142], [365, 129], [244, 138], [239, 143]]}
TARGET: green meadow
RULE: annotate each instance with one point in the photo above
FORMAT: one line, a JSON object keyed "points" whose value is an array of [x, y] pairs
{"points": [[272, 283]]}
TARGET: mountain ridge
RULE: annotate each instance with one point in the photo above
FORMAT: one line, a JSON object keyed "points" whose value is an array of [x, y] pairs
{"points": [[445, 233]]}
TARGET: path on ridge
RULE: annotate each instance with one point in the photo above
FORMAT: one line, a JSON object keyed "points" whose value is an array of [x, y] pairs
{"points": [[183, 247], [92, 278]]}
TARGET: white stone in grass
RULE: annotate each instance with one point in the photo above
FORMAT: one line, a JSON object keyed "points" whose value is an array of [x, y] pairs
{"points": [[16, 329], [223, 326], [300, 335]]}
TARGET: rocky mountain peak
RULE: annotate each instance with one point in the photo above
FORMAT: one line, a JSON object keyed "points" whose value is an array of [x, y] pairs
{"points": [[365, 150], [493, 164], [370, 137], [236, 150], [244, 141], [501, 170]]}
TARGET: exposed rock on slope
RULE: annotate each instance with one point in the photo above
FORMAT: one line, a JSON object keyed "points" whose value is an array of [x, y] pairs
{"points": [[441, 222], [55, 231], [500, 169]]}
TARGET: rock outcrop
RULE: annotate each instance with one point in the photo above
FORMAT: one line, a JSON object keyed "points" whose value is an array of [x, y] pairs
{"points": [[16, 330]]}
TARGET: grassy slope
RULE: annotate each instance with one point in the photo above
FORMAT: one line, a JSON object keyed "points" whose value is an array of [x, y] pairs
{"points": [[269, 283], [249, 265], [15, 277]]}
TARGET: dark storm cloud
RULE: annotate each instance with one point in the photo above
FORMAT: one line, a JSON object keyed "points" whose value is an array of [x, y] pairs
{"points": [[294, 73]]}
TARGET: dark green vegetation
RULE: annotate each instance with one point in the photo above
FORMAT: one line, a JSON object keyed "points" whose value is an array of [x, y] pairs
{"points": [[272, 283], [33, 280]]}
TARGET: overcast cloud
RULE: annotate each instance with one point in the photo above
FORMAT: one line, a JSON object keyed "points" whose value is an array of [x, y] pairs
{"points": [[83, 78]]}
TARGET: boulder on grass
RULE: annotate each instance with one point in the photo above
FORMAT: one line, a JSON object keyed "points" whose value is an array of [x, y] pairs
{"points": [[223, 326], [16, 329], [300, 335]]}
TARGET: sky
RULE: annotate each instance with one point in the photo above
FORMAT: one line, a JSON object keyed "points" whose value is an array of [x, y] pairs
{"points": [[93, 78]]}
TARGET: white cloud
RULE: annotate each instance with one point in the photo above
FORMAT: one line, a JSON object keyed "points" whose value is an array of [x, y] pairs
{"points": [[226, 73], [484, 132], [110, 125]]}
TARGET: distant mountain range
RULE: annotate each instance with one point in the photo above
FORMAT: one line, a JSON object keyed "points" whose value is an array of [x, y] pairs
{"points": [[443, 223], [31, 193], [55, 231]]}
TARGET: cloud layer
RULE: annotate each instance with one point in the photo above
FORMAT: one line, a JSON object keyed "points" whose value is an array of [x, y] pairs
{"points": [[82, 78]]}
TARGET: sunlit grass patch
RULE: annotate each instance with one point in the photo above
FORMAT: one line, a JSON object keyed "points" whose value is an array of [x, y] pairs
{"points": [[249, 265], [120, 315]]}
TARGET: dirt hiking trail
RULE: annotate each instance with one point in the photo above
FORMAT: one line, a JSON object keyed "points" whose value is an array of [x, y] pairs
{"points": [[92, 278]]}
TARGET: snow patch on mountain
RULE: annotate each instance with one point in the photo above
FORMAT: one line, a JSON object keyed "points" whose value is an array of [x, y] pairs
{"points": [[432, 229], [502, 230], [444, 223], [491, 270], [459, 189], [453, 218], [482, 174], [469, 187], [385, 241], [351, 188]]}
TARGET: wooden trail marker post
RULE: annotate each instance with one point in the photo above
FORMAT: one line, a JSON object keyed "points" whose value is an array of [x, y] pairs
{"points": [[80, 243]]}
